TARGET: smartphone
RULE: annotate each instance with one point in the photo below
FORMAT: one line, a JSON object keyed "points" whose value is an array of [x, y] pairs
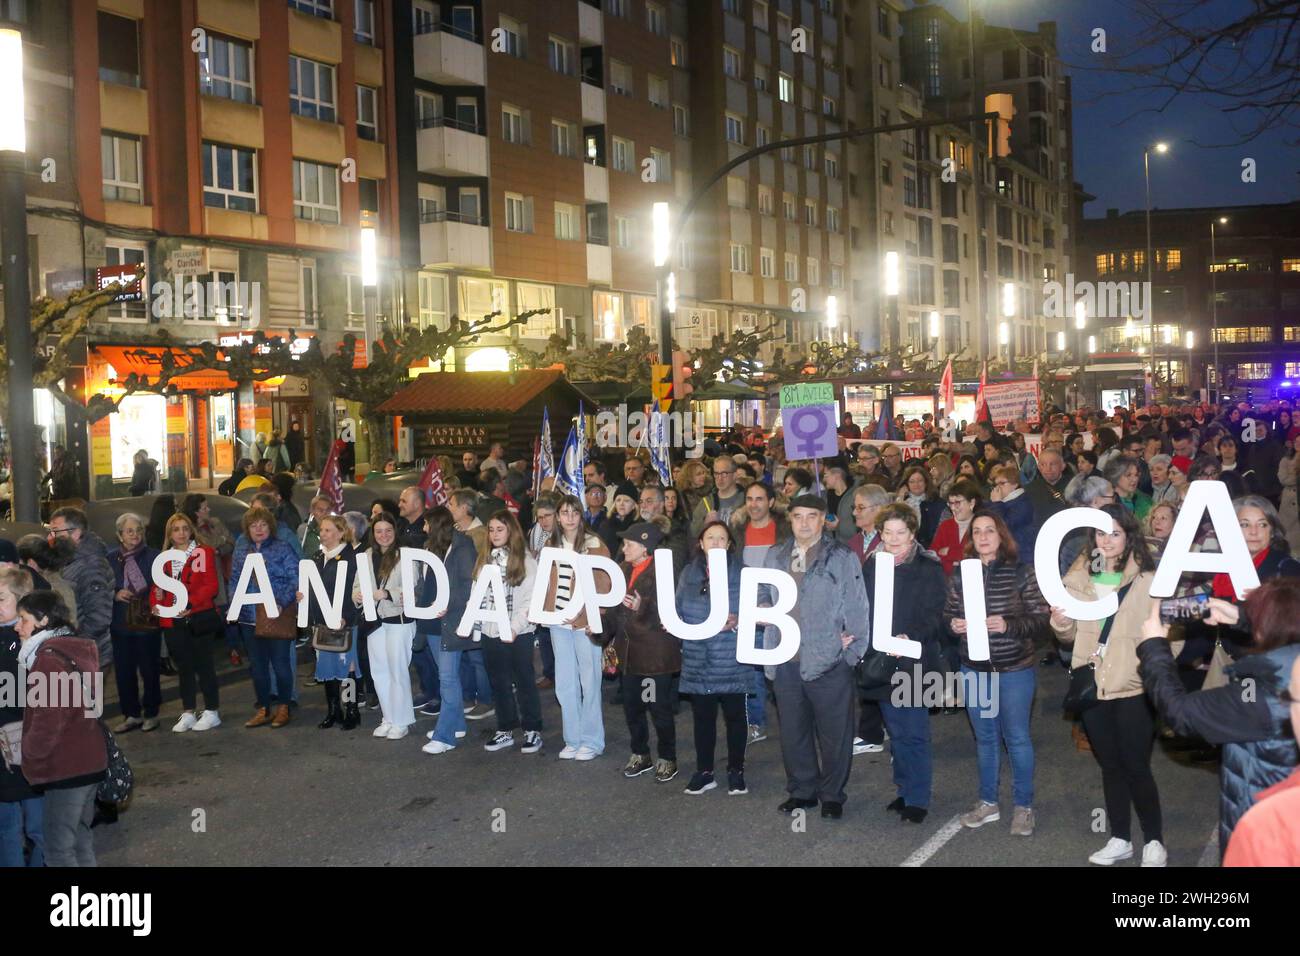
{"points": [[1190, 607]]}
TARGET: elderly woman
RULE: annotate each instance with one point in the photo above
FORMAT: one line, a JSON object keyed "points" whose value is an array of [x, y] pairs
{"points": [[1008, 499], [916, 572], [1158, 526], [267, 653], [1124, 473], [916, 489], [1163, 488], [1016, 616], [137, 640]]}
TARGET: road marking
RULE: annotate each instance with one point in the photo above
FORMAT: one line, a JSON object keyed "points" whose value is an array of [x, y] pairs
{"points": [[935, 843], [1210, 855]]}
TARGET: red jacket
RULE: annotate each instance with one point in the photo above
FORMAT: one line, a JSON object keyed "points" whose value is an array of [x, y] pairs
{"points": [[947, 537], [62, 746], [1269, 833], [199, 576]]}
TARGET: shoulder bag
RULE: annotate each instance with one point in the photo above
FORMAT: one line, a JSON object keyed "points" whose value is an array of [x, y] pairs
{"points": [[139, 615], [11, 744], [336, 640], [283, 627], [1082, 692]]}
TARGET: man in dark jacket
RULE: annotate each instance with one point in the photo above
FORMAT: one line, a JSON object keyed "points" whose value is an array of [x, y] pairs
{"points": [[1046, 493], [411, 529], [674, 536], [85, 566]]}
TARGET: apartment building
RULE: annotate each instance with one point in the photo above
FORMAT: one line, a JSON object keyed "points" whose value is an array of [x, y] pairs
{"points": [[1228, 277]]}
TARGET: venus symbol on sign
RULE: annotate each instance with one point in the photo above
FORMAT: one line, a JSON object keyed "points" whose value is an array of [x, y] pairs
{"points": [[807, 424]]}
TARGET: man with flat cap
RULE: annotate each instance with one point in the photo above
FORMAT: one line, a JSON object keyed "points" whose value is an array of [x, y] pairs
{"points": [[815, 689]]}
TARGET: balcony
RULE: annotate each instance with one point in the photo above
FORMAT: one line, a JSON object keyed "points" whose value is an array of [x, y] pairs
{"points": [[593, 104], [590, 29], [600, 263], [595, 182], [447, 147], [448, 58], [448, 239]]}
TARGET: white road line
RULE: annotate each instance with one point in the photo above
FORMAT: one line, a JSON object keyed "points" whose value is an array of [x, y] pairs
{"points": [[1210, 855], [935, 843]]}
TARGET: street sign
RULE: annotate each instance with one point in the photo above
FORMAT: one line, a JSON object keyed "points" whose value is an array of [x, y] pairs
{"points": [[106, 276], [189, 261], [64, 282], [807, 393]]}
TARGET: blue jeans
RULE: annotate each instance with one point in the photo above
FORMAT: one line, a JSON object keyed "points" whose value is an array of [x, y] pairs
{"points": [[451, 719], [548, 653], [756, 700], [909, 742], [474, 677], [293, 673], [577, 687], [426, 669], [1006, 722], [267, 656], [17, 819]]}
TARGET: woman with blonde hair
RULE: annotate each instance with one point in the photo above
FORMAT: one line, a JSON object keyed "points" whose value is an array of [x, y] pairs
{"points": [[190, 633], [336, 557], [695, 484]]}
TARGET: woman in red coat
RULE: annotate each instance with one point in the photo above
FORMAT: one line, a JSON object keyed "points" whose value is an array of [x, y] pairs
{"points": [[190, 634], [950, 539]]}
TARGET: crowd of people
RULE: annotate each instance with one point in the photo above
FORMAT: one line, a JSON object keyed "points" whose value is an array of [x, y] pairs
{"points": [[951, 494]]}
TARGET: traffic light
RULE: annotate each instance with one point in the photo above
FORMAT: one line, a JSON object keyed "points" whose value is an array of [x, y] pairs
{"points": [[661, 385], [682, 371], [1004, 105]]}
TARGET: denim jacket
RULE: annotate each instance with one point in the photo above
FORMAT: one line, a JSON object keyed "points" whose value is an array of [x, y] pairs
{"points": [[832, 602]]}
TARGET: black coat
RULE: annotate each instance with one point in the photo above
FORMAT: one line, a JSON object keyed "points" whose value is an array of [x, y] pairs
{"points": [[345, 563], [142, 478], [918, 612], [13, 786]]}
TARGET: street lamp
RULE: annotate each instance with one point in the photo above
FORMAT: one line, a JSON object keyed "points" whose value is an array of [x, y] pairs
{"points": [[1214, 303], [665, 286], [1080, 323], [934, 334], [891, 293], [1161, 148], [21, 418], [1008, 311], [370, 282], [832, 316]]}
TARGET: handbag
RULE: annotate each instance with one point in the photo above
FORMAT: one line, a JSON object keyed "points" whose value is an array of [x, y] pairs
{"points": [[139, 615], [609, 660], [282, 627], [336, 640], [876, 670], [1081, 695], [119, 778], [11, 744]]}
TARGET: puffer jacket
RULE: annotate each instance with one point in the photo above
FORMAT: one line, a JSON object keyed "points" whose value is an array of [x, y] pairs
{"points": [[91, 577], [1010, 590], [1117, 673], [281, 570], [918, 579], [710, 666], [1259, 748], [643, 644], [832, 602], [1018, 514]]}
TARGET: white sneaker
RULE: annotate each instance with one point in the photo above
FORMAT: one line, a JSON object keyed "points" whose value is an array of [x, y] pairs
{"points": [[207, 720], [1154, 854], [397, 733], [500, 741], [437, 747], [1114, 851], [383, 729], [461, 733], [187, 722], [585, 753], [860, 746], [532, 742], [568, 753]]}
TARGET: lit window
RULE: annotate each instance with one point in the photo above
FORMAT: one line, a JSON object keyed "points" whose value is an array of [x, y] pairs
{"points": [[519, 213], [315, 191], [226, 69], [367, 113], [785, 87], [120, 165], [560, 55], [739, 257]]}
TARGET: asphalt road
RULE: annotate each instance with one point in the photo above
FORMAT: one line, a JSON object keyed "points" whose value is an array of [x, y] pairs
{"points": [[304, 796]]}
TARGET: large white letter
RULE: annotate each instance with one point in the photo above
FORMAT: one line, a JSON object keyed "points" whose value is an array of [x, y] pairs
{"points": [[584, 588], [310, 582], [882, 613], [972, 593], [1233, 556], [407, 565], [593, 599], [489, 580], [254, 564], [170, 584], [366, 585], [718, 597], [1047, 563], [548, 558], [777, 614]]}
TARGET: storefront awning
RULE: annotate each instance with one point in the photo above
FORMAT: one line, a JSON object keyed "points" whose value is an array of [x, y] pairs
{"points": [[146, 362]]}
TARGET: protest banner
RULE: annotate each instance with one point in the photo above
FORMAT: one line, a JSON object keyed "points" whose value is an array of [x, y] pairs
{"points": [[1008, 401]]}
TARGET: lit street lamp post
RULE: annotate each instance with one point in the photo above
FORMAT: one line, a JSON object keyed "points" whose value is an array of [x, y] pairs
{"points": [[1151, 310], [21, 419], [1214, 309], [1080, 323]]}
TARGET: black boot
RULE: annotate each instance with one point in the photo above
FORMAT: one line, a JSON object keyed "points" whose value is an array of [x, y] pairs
{"points": [[351, 717], [334, 712]]}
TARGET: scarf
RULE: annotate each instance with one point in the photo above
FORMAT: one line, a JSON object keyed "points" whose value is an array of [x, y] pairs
{"points": [[179, 563], [500, 556], [332, 552], [131, 574], [27, 652], [1221, 586]]}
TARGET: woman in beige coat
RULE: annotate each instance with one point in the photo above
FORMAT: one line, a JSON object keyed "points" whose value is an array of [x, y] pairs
{"points": [[1121, 724]]}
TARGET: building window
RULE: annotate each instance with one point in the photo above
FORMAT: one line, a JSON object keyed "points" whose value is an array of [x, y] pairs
{"points": [[785, 87], [832, 166], [1241, 335], [765, 204], [1255, 371], [837, 277], [624, 155], [791, 267], [367, 113], [514, 37], [120, 164], [1291, 265], [315, 191], [809, 212], [787, 206], [813, 271], [623, 231], [658, 91], [731, 6], [564, 138], [663, 165], [317, 8], [681, 120], [767, 263], [229, 177], [886, 172], [566, 222], [832, 219], [119, 49], [739, 257], [762, 135], [616, 8], [810, 157], [519, 213], [363, 26], [1169, 260], [735, 129], [620, 78], [226, 69], [828, 106], [761, 77], [424, 17], [607, 312], [561, 56], [514, 125], [685, 255], [731, 62], [655, 20], [882, 20], [311, 89], [120, 253], [677, 51], [369, 194], [761, 12]]}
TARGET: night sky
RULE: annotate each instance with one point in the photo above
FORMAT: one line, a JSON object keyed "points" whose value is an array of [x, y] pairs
{"points": [[1110, 130]]}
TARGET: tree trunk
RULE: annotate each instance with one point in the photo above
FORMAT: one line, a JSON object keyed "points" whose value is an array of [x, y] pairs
{"points": [[377, 437]]}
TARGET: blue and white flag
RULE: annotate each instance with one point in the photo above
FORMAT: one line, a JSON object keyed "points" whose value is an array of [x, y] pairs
{"points": [[544, 459], [658, 442], [582, 453], [568, 476]]}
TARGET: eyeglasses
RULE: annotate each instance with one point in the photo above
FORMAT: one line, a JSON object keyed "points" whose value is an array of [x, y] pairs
{"points": [[60, 530], [719, 474]]}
